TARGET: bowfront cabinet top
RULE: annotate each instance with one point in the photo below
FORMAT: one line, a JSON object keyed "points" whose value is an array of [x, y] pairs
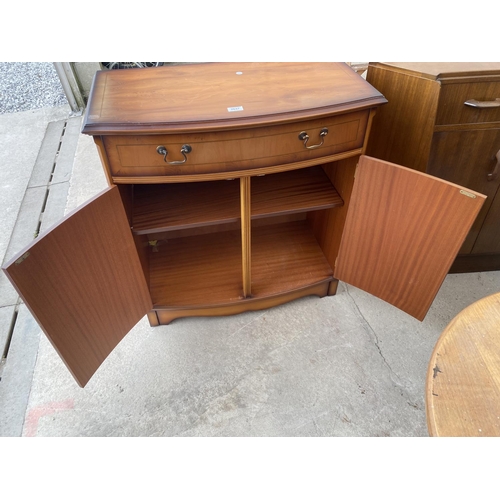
{"points": [[235, 187], [222, 96]]}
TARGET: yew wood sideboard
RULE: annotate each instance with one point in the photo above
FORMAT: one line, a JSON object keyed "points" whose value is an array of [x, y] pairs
{"points": [[444, 119], [235, 187]]}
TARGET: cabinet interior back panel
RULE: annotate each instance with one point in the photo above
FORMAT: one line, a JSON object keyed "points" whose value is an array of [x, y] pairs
{"points": [[199, 270], [286, 257]]}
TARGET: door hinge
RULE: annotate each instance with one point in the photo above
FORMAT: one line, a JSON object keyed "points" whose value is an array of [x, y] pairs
{"points": [[22, 258], [466, 193]]}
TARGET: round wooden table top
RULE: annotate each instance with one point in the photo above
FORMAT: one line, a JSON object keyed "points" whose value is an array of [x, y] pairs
{"points": [[463, 378]]}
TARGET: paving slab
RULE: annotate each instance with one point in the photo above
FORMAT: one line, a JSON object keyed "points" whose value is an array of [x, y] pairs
{"points": [[21, 137], [66, 154], [87, 178], [314, 367], [47, 155], [308, 368], [6, 316], [17, 376], [41, 206]]}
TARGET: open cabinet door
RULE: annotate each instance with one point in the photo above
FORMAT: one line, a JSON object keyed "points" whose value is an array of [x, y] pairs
{"points": [[402, 232], [83, 283]]}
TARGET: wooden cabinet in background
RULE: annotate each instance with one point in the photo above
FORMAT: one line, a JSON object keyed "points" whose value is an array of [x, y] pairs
{"points": [[444, 119], [235, 187]]}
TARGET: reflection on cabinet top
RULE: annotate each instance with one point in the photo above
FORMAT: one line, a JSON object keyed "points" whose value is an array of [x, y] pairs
{"points": [[445, 70], [222, 96]]}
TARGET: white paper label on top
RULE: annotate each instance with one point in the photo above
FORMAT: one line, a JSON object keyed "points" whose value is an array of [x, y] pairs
{"points": [[235, 108]]}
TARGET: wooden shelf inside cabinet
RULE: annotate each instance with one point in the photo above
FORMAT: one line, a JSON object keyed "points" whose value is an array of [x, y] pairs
{"points": [[168, 207], [196, 270], [293, 192], [286, 257], [205, 270]]}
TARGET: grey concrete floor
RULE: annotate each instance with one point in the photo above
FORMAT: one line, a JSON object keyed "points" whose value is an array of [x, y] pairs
{"points": [[348, 365]]}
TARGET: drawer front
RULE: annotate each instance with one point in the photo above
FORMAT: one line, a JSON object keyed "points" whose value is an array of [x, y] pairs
{"points": [[453, 110], [227, 151]]}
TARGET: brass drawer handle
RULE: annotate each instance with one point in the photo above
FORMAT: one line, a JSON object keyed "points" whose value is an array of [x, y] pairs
{"points": [[304, 137], [162, 150], [483, 104], [494, 173]]}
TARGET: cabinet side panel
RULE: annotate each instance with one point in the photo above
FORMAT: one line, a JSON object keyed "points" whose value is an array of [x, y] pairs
{"points": [[327, 225], [83, 283], [402, 233], [402, 129], [104, 158]]}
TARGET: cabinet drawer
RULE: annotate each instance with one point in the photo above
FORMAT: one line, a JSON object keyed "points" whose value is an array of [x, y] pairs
{"points": [[235, 149], [452, 110]]}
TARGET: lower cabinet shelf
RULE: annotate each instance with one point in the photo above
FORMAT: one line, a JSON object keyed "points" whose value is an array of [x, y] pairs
{"points": [[205, 270], [196, 270], [286, 257]]}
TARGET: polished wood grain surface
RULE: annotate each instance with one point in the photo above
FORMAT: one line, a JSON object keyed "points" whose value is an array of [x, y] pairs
{"points": [[402, 129], [435, 132], [293, 192], [328, 225], [178, 206], [221, 95], [246, 234], [457, 71], [452, 108], [402, 233], [235, 149], [215, 176], [466, 158], [76, 278], [488, 240], [286, 257], [197, 270], [167, 207], [164, 315], [205, 270], [463, 378]]}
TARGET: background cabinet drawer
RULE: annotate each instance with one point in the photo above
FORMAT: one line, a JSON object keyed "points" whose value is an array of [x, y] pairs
{"points": [[452, 110], [234, 150]]}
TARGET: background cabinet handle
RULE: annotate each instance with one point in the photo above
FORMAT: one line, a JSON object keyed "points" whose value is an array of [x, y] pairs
{"points": [[483, 104], [304, 137], [162, 150], [494, 174]]}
